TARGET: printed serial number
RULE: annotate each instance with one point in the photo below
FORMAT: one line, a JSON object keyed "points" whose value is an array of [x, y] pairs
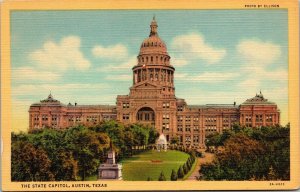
{"points": [[276, 184]]}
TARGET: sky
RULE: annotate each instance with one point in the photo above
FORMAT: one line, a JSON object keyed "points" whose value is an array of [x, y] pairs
{"points": [[220, 56]]}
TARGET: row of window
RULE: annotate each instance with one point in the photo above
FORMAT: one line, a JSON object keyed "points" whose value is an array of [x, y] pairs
{"points": [[147, 59], [92, 119], [125, 105], [211, 128], [187, 128], [166, 126], [189, 138], [166, 105], [187, 118], [258, 118], [125, 116]]}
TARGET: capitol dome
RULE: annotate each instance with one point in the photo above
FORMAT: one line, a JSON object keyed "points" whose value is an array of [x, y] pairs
{"points": [[153, 44]]}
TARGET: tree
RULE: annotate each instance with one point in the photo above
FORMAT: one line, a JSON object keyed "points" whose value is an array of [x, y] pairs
{"points": [[188, 164], [271, 174], [252, 153], [162, 177], [87, 146], [65, 166], [153, 135], [173, 175], [236, 128], [174, 140], [29, 163], [180, 172], [185, 169]]}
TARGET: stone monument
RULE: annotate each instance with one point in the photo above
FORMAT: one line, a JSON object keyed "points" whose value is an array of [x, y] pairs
{"points": [[110, 170]]}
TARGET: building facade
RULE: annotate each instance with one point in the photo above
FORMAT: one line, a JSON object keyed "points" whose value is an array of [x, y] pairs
{"points": [[152, 101]]}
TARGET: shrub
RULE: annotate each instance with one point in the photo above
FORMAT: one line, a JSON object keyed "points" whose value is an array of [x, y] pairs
{"points": [[162, 177], [185, 170], [173, 175], [180, 173], [189, 165]]}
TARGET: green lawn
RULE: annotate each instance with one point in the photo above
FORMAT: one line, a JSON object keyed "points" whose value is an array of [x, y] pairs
{"points": [[91, 178], [140, 167]]}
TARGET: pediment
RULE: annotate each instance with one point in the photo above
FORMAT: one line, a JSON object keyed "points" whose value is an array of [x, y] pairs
{"points": [[146, 86]]}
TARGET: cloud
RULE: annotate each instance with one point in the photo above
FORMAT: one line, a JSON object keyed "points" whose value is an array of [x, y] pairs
{"points": [[60, 89], [29, 73], [261, 73], [250, 83], [258, 56], [193, 46], [116, 67], [259, 52], [61, 56], [179, 62], [207, 77], [122, 77], [114, 52]]}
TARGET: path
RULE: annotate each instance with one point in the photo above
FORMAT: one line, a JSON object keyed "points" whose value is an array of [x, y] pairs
{"points": [[149, 161], [208, 158]]}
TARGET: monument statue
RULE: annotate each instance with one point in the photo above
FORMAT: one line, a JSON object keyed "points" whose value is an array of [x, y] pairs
{"points": [[110, 169]]}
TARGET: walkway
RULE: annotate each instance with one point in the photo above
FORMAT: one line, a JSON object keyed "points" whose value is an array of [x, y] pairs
{"points": [[208, 158]]}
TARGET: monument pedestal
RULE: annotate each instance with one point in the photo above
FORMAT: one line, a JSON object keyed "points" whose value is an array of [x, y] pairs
{"points": [[110, 170]]}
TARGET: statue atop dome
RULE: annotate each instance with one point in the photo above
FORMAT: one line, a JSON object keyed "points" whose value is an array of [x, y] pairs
{"points": [[153, 26]]}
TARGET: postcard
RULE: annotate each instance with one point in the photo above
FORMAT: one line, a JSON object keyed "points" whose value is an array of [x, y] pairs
{"points": [[149, 95]]}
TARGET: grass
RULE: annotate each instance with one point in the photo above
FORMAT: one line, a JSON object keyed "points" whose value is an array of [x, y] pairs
{"points": [[91, 178], [140, 167]]}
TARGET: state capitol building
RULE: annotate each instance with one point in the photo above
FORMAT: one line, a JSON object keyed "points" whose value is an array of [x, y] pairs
{"points": [[151, 100]]}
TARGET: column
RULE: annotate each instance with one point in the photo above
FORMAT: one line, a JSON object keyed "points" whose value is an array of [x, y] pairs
{"points": [[159, 76], [253, 120], [133, 78], [147, 74], [49, 119]]}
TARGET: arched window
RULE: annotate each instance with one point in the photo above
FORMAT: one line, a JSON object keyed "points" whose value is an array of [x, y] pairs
{"points": [[156, 58], [156, 76], [146, 59], [151, 59]]}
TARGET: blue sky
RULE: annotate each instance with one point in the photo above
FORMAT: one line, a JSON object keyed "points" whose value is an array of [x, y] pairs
{"points": [[220, 56]]}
